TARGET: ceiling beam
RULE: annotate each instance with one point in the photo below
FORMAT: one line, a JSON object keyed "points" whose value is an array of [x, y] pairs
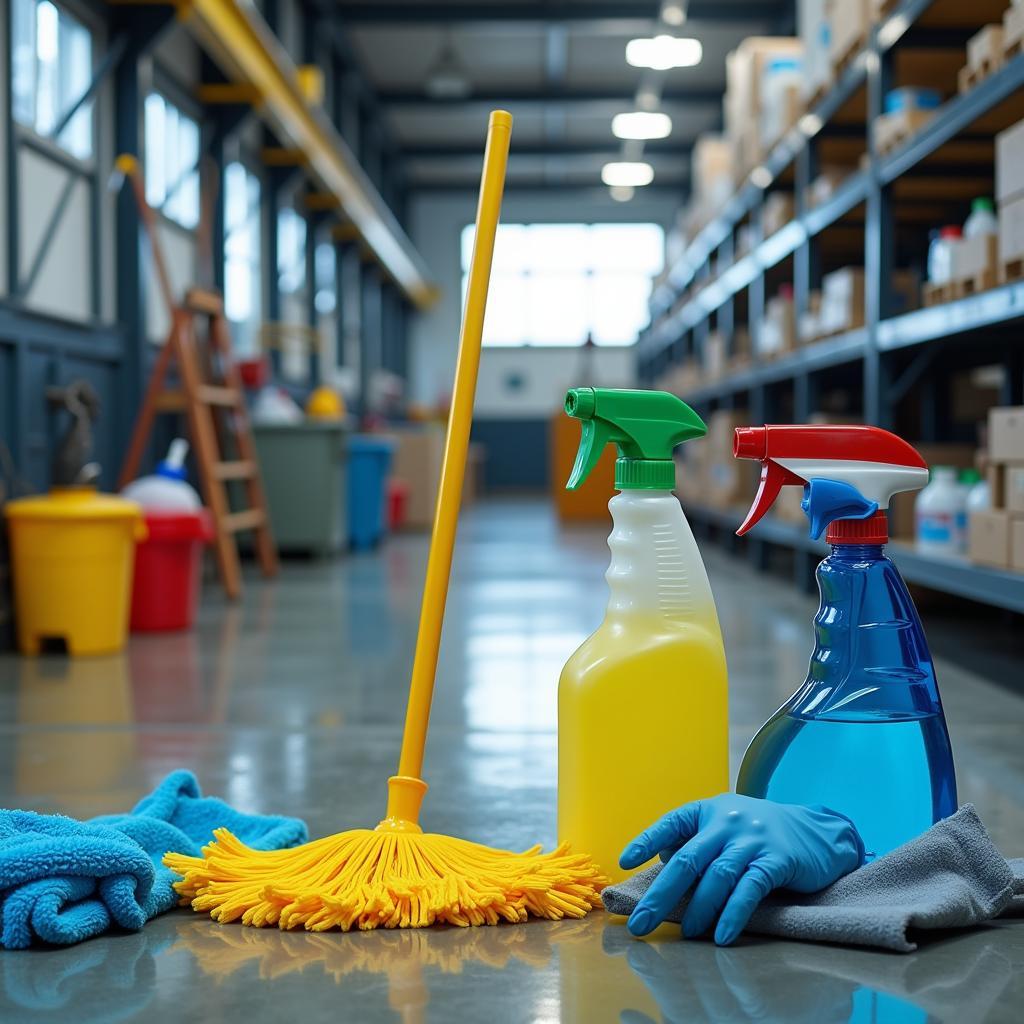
{"points": [[552, 149], [623, 16], [702, 96]]}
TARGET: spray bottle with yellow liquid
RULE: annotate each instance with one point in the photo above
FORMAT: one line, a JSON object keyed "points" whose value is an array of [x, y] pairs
{"points": [[642, 704]]}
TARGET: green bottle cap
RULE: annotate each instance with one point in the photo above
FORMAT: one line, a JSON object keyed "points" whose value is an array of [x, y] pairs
{"points": [[970, 476], [645, 426], [983, 203]]}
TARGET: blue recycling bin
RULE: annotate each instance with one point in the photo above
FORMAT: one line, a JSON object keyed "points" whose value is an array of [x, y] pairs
{"points": [[369, 464]]}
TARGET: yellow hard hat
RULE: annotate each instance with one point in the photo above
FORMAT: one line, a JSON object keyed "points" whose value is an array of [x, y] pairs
{"points": [[325, 404]]}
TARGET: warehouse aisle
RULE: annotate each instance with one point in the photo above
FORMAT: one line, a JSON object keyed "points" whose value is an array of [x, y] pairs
{"points": [[293, 703]]}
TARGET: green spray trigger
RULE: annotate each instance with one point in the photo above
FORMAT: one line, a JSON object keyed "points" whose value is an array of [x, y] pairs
{"points": [[644, 425]]}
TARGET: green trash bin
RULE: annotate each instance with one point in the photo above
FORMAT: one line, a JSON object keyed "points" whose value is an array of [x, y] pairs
{"points": [[304, 476]]}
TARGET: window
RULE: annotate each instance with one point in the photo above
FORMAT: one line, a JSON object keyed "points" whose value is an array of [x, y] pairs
{"points": [[291, 251], [325, 278], [242, 255], [557, 284], [51, 70], [172, 161]]}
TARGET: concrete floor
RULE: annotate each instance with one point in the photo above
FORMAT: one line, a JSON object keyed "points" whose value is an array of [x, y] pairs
{"points": [[293, 702]]}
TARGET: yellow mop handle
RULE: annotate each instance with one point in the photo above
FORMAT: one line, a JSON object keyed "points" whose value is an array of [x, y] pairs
{"points": [[453, 467]]}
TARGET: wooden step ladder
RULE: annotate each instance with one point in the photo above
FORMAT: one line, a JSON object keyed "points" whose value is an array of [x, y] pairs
{"points": [[208, 391]]}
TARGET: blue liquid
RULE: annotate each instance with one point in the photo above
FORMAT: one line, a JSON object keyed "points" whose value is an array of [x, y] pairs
{"points": [[864, 734], [878, 772]]}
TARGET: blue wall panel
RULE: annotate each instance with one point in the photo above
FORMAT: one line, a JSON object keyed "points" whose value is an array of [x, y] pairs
{"points": [[518, 453]]}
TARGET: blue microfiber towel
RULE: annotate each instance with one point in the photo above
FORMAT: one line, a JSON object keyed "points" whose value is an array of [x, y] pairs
{"points": [[63, 881]]}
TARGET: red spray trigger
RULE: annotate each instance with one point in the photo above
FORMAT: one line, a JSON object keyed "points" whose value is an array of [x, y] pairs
{"points": [[773, 478]]}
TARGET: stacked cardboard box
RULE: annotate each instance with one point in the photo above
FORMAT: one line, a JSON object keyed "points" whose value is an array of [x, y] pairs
{"points": [[849, 22], [744, 108], [711, 171], [1010, 198], [995, 536], [778, 329], [813, 28], [728, 481]]}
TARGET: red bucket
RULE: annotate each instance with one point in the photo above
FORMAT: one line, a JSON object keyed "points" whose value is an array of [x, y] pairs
{"points": [[398, 499], [168, 570]]}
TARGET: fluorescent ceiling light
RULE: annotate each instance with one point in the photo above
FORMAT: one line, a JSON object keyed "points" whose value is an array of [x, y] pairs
{"points": [[627, 172], [621, 193], [673, 13], [641, 124], [664, 52]]}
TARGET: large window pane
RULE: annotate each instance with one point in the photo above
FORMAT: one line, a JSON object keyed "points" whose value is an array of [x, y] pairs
{"points": [[638, 248], [618, 306], [557, 309], [559, 247], [557, 284], [51, 69], [172, 161], [242, 256]]}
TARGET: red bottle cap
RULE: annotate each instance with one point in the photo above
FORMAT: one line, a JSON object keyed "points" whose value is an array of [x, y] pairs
{"points": [[874, 530]]}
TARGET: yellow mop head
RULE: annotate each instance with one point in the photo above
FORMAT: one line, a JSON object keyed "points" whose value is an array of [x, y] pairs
{"points": [[395, 876], [367, 879]]}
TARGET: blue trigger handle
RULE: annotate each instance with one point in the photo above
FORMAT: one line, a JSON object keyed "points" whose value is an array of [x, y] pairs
{"points": [[828, 500]]}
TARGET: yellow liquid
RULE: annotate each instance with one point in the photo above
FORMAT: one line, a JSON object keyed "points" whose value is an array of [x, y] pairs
{"points": [[642, 729]]}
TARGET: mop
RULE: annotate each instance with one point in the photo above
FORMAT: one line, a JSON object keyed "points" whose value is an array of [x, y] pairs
{"points": [[396, 876]]}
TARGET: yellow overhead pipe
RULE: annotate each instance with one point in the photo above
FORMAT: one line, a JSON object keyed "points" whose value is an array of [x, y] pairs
{"points": [[249, 54]]}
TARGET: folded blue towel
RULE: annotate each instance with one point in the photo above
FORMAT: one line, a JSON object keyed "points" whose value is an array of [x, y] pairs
{"points": [[63, 881]]}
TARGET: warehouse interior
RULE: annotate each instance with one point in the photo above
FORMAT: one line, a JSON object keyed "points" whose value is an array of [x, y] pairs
{"points": [[758, 282]]}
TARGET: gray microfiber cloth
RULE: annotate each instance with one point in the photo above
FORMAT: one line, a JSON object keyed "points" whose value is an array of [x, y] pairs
{"points": [[951, 876]]}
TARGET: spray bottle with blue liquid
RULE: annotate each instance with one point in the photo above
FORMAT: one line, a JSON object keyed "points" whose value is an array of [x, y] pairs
{"points": [[865, 733]]}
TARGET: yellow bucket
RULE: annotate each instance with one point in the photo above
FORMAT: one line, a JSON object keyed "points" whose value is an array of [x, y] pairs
{"points": [[72, 554]]}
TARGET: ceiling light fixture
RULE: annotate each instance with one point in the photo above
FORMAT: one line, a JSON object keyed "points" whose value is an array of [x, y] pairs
{"points": [[633, 173], [622, 193], [664, 52], [673, 12], [641, 124], [446, 79]]}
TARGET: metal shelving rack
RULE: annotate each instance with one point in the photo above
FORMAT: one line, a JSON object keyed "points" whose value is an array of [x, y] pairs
{"points": [[891, 354]]}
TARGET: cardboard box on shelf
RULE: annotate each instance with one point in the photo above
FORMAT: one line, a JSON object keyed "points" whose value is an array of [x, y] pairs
{"points": [[842, 301], [988, 538], [1010, 163], [778, 329], [813, 30], [808, 328], [1011, 230], [711, 165], [787, 506], [985, 48], [825, 184], [976, 257], [780, 111], [727, 480], [1013, 489], [849, 23], [744, 69], [777, 211], [1013, 27], [714, 355], [1006, 434], [1017, 545]]}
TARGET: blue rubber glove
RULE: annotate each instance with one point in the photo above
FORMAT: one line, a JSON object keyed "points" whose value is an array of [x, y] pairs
{"points": [[737, 849]]}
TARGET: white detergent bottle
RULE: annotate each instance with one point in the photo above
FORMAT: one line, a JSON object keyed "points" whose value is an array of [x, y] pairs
{"points": [[166, 490], [938, 513]]}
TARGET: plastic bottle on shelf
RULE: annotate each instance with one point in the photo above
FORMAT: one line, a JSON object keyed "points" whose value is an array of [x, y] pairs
{"points": [[940, 254], [983, 220], [978, 497], [167, 489], [940, 514]]}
